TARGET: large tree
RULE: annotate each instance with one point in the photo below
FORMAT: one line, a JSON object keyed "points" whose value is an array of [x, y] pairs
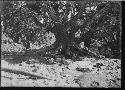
{"points": [[81, 28]]}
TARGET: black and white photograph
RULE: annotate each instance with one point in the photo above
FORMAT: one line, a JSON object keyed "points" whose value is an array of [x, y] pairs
{"points": [[74, 44]]}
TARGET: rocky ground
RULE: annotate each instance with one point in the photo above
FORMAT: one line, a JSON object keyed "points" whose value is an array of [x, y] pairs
{"points": [[87, 72]]}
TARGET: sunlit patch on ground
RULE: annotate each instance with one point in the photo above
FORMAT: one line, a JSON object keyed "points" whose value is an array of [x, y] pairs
{"points": [[97, 74]]}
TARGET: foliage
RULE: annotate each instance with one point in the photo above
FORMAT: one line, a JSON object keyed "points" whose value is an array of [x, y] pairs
{"points": [[99, 24]]}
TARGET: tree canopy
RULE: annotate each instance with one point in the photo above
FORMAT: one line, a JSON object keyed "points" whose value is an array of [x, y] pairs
{"points": [[97, 24]]}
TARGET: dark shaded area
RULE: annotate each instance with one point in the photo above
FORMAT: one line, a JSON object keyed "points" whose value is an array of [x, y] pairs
{"points": [[83, 69], [30, 76], [100, 27]]}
